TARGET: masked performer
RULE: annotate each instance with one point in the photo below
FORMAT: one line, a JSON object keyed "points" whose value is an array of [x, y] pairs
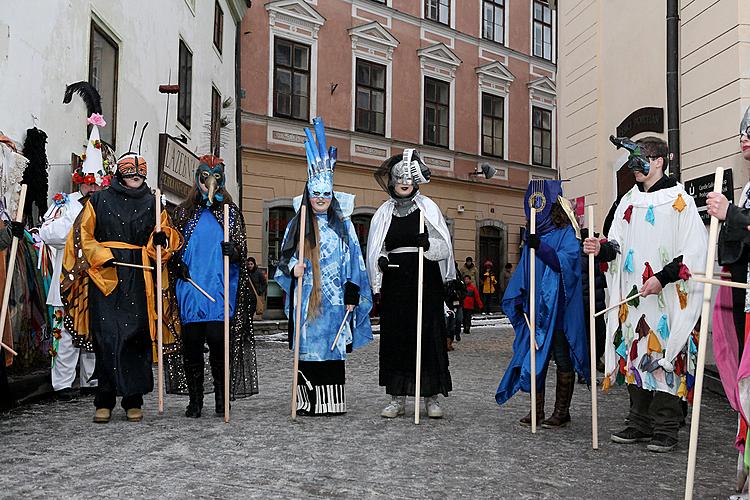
{"points": [[114, 306], [655, 238], [334, 281], [560, 329], [200, 219], [91, 177], [730, 324], [392, 258]]}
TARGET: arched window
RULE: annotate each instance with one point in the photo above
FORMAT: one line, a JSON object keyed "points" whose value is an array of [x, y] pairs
{"points": [[278, 218]]}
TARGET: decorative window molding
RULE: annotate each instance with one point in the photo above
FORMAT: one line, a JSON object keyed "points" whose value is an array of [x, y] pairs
{"points": [[543, 90], [438, 60], [298, 21], [495, 77]]}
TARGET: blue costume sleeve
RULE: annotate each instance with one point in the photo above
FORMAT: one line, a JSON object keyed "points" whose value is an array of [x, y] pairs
{"points": [[548, 255], [357, 274]]}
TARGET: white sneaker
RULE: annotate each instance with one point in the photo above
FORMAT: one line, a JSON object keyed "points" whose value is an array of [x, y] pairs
{"points": [[395, 408], [433, 407]]}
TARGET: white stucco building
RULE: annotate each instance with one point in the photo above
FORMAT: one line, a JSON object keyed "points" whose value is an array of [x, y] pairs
{"points": [[126, 49]]}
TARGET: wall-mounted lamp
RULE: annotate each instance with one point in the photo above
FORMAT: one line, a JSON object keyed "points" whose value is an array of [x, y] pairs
{"points": [[487, 170]]}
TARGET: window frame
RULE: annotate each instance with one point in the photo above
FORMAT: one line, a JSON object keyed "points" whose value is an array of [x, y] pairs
{"points": [[281, 206], [185, 94], [502, 4], [533, 128], [494, 119], [370, 88], [436, 104], [541, 22], [95, 27], [293, 70], [215, 121], [218, 27], [426, 7]]}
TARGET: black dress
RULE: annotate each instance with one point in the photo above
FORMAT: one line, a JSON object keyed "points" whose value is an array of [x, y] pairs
{"points": [[398, 318], [119, 322]]}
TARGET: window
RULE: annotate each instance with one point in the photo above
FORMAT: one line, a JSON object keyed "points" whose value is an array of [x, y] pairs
{"points": [[541, 145], [103, 56], [218, 27], [493, 15], [436, 112], [185, 79], [278, 218], [370, 114], [542, 30], [493, 114], [291, 83], [215, 122], [438, 10]]}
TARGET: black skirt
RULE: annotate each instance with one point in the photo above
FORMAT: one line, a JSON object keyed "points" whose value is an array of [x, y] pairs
{"points": [[320, 388]]}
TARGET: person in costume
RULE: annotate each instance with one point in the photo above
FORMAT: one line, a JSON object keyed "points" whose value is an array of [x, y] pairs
{"points": [[334, 283], [392, 259], [559, 322], [730, 324], [656, 237], [92, 176], [200, 220], [114, 306]]}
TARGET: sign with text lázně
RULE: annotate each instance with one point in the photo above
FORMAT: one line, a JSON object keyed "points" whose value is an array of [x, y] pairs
{"points": [[699, 188], [177, 166]]}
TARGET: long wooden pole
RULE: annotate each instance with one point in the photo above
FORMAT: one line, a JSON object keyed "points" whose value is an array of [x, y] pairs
{"points": [[702, 339], [418, 365], [592, 338], [226, 317], [731, 284], [341, 329], [532, 318], [298, 308], [9, 272], [159, 312], [615, 306]]}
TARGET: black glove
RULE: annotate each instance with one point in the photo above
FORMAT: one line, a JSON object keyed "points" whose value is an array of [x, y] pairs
{"points": [[181, 271], [519, 308], [351, 294], [383, 264], [109, 263], [534, 241], [160, 238], [229, 249], [423, 240], [17, 229]]}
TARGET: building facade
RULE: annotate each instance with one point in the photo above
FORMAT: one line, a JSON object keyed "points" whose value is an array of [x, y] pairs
{"points": [[127, 50], [612, 80], [466, 83]]}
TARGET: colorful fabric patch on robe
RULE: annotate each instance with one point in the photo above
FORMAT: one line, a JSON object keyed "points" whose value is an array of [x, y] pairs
{"points": [[660, 301], [623, 314], [682, 294], [650, 382], [647, 273], [636, 300], [628, 213], [630, 379], [663, 328], [629, 333], [606, 383], [650, 215], [664, 256], [653, 342], [622, 350], [679, 204], [633, 351], [679, 364], [682, 391], [669, 378], [628, 265], [620, 379], [618, 337], [642, 328], [684, 272], [637, 376]]}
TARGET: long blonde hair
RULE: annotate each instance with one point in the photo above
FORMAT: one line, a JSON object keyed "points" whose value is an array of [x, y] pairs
{"points": [[313, 254]]}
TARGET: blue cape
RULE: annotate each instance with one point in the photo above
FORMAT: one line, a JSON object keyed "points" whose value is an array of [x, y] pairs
{"points": [[553, 290]]}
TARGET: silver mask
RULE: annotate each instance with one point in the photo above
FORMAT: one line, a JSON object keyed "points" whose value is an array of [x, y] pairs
{"points": [[409, 171]]}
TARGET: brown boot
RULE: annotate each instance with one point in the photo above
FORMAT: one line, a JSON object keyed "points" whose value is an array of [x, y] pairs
{"points": [[563, 394], [526, 421], [449, 342], [102, 415]]}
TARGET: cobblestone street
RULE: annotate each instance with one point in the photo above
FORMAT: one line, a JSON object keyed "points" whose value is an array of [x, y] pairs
{"points": [[53, 450]]}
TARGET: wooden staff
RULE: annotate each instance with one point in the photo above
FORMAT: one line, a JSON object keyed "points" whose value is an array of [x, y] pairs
{"points": [[341, 329], [226, 316], [201, 290], [298, 307], [702, 338], [134, 266], [711, 281], [9, 274], [532, 317], [159, 312], [623, 301], [592, 338], [418, 366]]}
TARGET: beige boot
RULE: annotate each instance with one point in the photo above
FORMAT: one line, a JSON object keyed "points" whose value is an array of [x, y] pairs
{"points": [[102, 415], [134, 415]]}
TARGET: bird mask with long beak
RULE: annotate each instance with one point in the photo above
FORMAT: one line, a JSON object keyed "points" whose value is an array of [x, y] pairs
{"points": [[210, 179]]}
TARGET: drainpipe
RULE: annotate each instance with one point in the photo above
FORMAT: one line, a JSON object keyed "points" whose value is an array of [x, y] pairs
{"points": [[673, 85], [238, 107]]}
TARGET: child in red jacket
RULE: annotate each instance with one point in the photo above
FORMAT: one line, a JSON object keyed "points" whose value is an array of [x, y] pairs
{"points": [[472, 302]]}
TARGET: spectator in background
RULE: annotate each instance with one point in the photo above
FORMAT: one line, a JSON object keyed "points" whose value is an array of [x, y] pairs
{"points": [[469, 269], [505, 278], [488, 286], [259, 284], [472, 302]]}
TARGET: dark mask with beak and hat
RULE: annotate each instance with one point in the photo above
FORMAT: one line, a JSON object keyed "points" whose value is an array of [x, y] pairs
{"points": [[210, 179]]}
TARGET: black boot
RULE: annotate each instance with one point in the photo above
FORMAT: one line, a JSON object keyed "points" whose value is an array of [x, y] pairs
{"points": [[217, 370], [563, 394], [194, 375], [526, 421]]}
